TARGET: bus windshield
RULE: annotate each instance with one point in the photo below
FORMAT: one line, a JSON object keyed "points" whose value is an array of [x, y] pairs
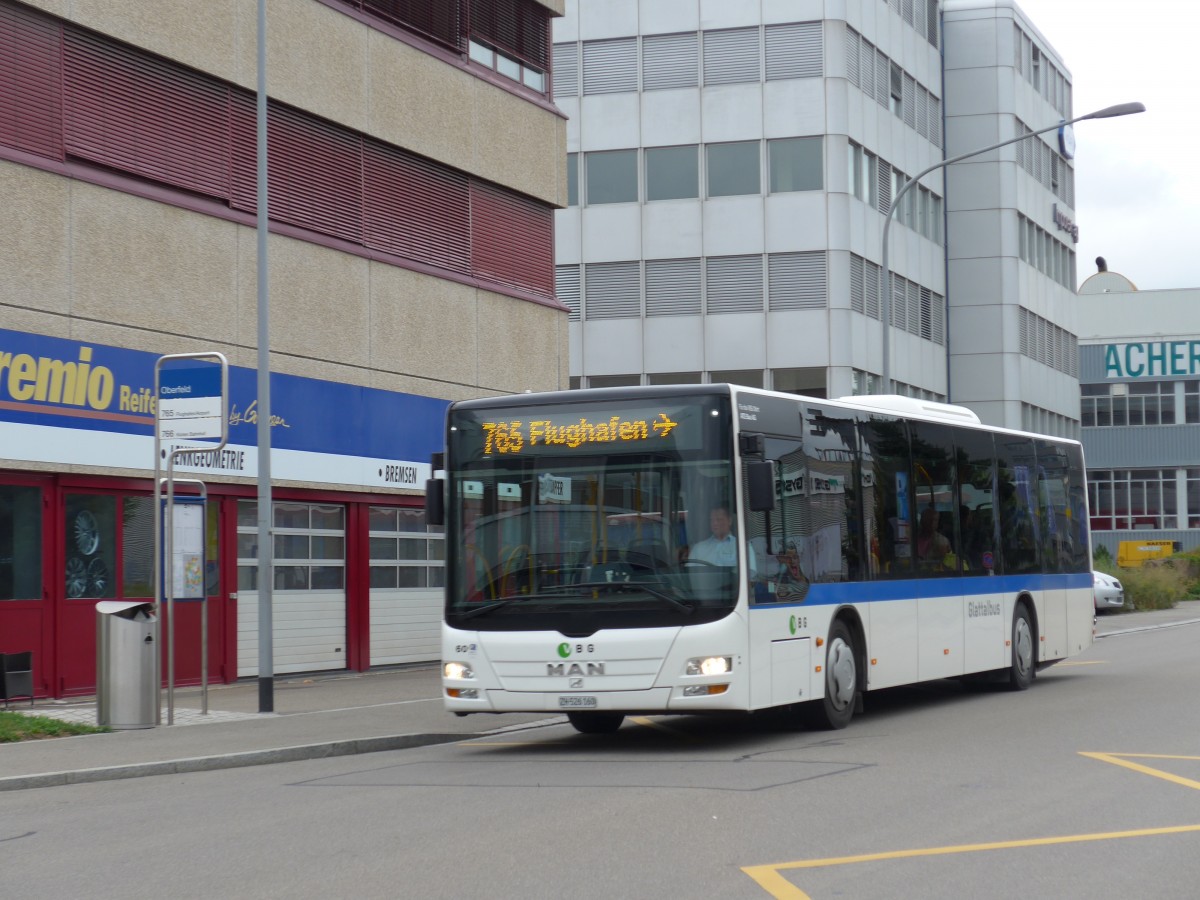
{"points": [[589, 516]]}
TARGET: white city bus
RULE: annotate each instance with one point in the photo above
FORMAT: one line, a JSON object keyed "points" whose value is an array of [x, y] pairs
{"points": [[703, 548]]}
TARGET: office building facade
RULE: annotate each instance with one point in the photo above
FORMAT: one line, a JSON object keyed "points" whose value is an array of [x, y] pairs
{"points": [[415, 164], [731, 165]]}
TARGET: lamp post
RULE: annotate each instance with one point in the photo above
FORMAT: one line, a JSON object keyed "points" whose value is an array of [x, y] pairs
{"points": [[885, 280]]}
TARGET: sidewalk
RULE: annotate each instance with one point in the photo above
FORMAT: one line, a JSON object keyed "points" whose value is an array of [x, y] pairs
{"points": [[317, 715]]}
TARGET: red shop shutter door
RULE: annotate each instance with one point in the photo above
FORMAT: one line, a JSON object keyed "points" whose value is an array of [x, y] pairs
{"points": [[416, 208], [512, 239], [146, 116], [315, 169], [30, 90]]}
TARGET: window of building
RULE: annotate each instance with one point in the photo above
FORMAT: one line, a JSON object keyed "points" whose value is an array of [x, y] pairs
{"points": [[854, 173], [572, 179], [672, 173], [673, 378], [670, 61], [1125, 404], [897, 91], [21, 542], [603, 381], [1193, 498], [508, 67], [796, 164], [752, 378], [309, 546], [809, 382], [405, 552], [611, 177], [1132, 499], [733, 168], [91, 545]]}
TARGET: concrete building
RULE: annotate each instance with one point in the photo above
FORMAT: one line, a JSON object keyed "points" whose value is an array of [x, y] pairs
{"points": [[416, 160], [1139, 359], [731, 164]]}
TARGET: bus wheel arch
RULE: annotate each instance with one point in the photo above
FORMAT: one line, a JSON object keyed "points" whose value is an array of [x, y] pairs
{"points": [[1024, 639], [844, 671]]}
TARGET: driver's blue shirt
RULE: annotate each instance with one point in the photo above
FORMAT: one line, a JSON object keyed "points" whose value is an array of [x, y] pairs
{"points": [[720, 552]]}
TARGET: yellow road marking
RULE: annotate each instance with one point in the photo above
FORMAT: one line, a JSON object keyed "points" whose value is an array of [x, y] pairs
{"points": [[1081, 662], [1122, 759], [651, 723], [777, 886]]}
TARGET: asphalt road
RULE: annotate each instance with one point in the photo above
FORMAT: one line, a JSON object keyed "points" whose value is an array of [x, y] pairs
{"points": [[1084, 786]]}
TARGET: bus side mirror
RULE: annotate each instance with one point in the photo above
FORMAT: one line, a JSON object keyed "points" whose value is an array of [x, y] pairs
{"points": [[760, 484], [435, 502]]}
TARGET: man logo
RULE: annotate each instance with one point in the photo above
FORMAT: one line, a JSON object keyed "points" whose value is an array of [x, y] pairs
{"points": [[576, 682], [565, 670]]}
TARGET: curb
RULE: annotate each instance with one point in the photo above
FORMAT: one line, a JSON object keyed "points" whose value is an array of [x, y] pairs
{"points": [[1140, 628], [230, 760]]}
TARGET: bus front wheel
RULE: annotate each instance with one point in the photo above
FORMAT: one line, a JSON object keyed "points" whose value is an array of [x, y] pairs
{"points": [[841, 680], [596, 722], [1024, 657]]}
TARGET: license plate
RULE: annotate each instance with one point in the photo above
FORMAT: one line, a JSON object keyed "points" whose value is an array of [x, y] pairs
{"points": [[576, 701]]}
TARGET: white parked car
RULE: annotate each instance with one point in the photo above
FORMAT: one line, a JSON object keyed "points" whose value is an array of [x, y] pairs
{"points": [[1108, 591]]}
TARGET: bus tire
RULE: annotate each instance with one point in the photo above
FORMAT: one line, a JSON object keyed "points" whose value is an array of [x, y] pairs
{"points": [[836, 708], [1024, 649], [595, 722]]}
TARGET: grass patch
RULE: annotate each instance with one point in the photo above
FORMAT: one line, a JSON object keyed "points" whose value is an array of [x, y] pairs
{"points": [[20, 727]]}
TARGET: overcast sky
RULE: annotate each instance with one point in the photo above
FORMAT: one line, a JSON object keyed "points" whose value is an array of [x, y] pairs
{"points": [[1137, 181]]}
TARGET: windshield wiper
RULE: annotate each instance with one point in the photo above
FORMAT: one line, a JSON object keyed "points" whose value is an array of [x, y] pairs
{"points": [[686, 606], [568, 591], [503, 601]]}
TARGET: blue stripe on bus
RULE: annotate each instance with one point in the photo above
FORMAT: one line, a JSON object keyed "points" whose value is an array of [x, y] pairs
{"points": [[917, 588]]}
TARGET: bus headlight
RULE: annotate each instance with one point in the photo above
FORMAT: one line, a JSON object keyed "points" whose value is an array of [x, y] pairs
{"points": [[458, 671], [710, 665]]}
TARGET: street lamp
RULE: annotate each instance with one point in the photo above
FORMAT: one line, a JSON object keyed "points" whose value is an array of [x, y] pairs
{"points": [[885, 286]]}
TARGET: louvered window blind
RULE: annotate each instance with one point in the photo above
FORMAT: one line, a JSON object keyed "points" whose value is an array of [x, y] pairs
{"points": [[566, 70], [670, 61], [794, 51], [673, 287], [518, 27], [566, 287], [612, 290], [797, 281], [140, 114], [731, 56], [30, 88], [610, 67], [512, 238], [734, 284]]}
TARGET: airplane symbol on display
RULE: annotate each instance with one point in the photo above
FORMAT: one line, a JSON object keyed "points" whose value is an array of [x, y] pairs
{"points": [[664, 427]]}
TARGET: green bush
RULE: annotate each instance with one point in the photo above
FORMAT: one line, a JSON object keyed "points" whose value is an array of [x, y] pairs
{"points": [[1158, 584], [1102, 559]]}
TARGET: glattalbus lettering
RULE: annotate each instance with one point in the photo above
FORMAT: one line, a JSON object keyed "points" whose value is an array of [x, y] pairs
{"points": [[981, 608]]}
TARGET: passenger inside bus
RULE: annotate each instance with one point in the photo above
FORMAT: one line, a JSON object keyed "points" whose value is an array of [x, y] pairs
{"points": [[934, 552]]}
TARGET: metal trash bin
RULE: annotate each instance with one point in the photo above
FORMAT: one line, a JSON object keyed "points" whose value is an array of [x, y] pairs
{"points": [[126, 693]]}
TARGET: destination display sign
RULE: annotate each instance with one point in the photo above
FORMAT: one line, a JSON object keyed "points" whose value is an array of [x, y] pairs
{"points": [[580, 430]]}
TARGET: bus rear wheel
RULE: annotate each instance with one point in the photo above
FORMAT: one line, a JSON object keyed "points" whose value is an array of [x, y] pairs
{"points": [[841, 681], [1024, 656], [595, 722]]}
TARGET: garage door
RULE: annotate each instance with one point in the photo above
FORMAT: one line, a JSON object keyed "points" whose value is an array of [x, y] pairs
{"points": [[308, 607]]}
